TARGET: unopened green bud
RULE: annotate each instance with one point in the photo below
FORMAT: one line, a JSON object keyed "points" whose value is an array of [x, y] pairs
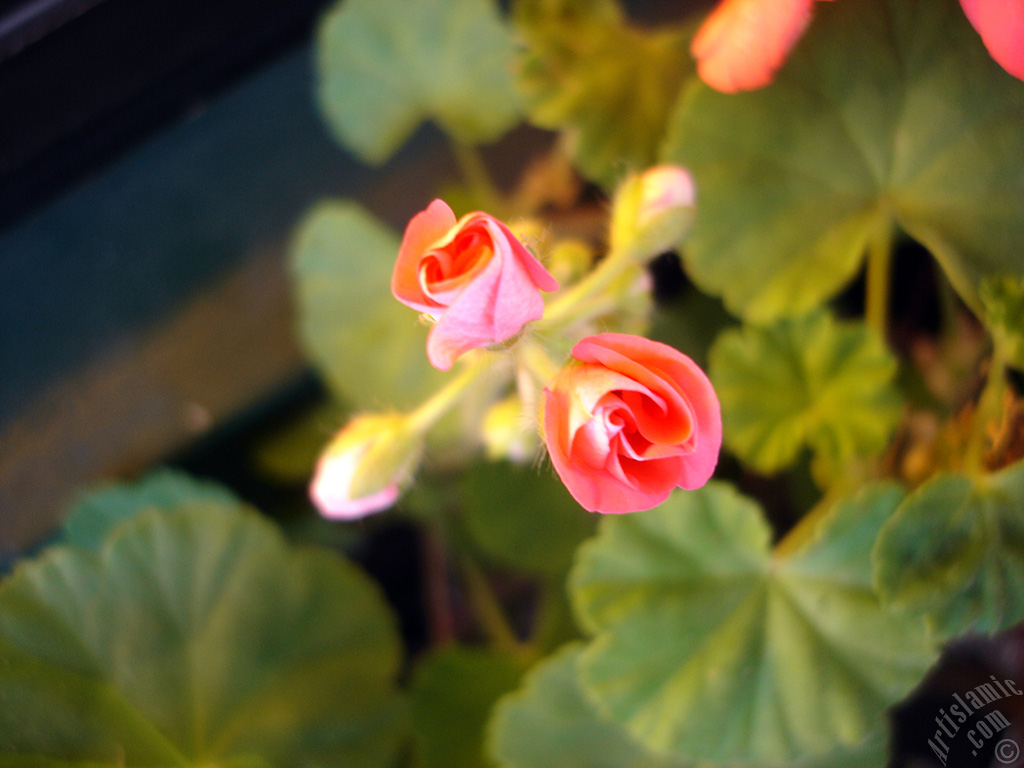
{"points": [[654, 211]]}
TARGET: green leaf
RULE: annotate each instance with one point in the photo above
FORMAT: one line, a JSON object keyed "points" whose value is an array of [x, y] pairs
{"points": [[1003, 301], [888, 111], [452, 694], [954, 552], [370, 348], [523, 518], [99, 511], [196, 637], [609, 86], [549, 723], [386, 66], [709, 646], [809, 381]]}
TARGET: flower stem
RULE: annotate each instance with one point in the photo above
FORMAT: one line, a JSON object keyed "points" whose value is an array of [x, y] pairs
{"points": [[442, 624], [989, 406], [537, 361], [487, 608], [476, 176], [565, 306], [878, 280], [433, 408]]}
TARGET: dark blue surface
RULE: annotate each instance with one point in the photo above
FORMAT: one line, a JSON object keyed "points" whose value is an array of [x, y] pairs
{"points": [[125, 247]]}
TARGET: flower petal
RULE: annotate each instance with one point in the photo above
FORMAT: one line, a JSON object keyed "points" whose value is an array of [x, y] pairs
{"points": [[743, 43], [425, 229], [1001, 26]]}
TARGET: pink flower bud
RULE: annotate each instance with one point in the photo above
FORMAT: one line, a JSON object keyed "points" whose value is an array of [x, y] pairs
{"points": [[666, 208], [472, 275], [364, 467]]}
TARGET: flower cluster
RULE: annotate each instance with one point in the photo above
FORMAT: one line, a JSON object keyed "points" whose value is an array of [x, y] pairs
{"points": [[625, 421]]}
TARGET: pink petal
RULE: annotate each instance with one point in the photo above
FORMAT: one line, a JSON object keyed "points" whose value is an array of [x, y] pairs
{"points": [[425, 229], [1001, 26], [743, 43]]}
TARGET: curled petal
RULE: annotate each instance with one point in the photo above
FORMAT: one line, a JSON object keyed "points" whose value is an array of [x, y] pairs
{"points": [[630, 420], [473, 276]]}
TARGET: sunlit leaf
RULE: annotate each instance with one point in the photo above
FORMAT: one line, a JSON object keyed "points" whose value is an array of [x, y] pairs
{"points": [[523, 517], [1003, 301], [452, 694], [801, 382], [196, 637], [371, 349], [386, 66], [549, 723], [708, 646], [888, 111], [608, 85], [954, 553], [98, 511]]}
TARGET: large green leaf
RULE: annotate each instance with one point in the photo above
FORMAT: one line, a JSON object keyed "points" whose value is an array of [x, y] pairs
{"points": [[954, 552], [549, 723], [452, 694], [386, 66], [709, 646], [371, 348], [804, 382], [522, 517], [606, 84], [888, 111], [196, 637], [98, 511]]}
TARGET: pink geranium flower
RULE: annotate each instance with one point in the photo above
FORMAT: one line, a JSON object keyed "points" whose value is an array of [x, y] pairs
{"points": [[630, 420], [472, 276]]}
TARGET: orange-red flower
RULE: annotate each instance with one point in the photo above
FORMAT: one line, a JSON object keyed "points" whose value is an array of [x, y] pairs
{"points": [[472, 276], [630, 420], [1001, 26], [743, 43]]}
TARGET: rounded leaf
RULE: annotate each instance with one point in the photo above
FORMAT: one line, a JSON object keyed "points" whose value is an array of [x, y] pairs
{"points": [[197, 637], [887, 110], [707, 646], [804, 382]]}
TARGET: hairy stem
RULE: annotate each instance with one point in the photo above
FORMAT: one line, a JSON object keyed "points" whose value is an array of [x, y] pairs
{"points": [[477, 177], [437, 405], [566, 306]]}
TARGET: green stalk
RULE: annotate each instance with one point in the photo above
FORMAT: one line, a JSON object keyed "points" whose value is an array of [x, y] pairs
{"points": [[566, 306], [476, 176], [487, 608], [433, 408]]}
